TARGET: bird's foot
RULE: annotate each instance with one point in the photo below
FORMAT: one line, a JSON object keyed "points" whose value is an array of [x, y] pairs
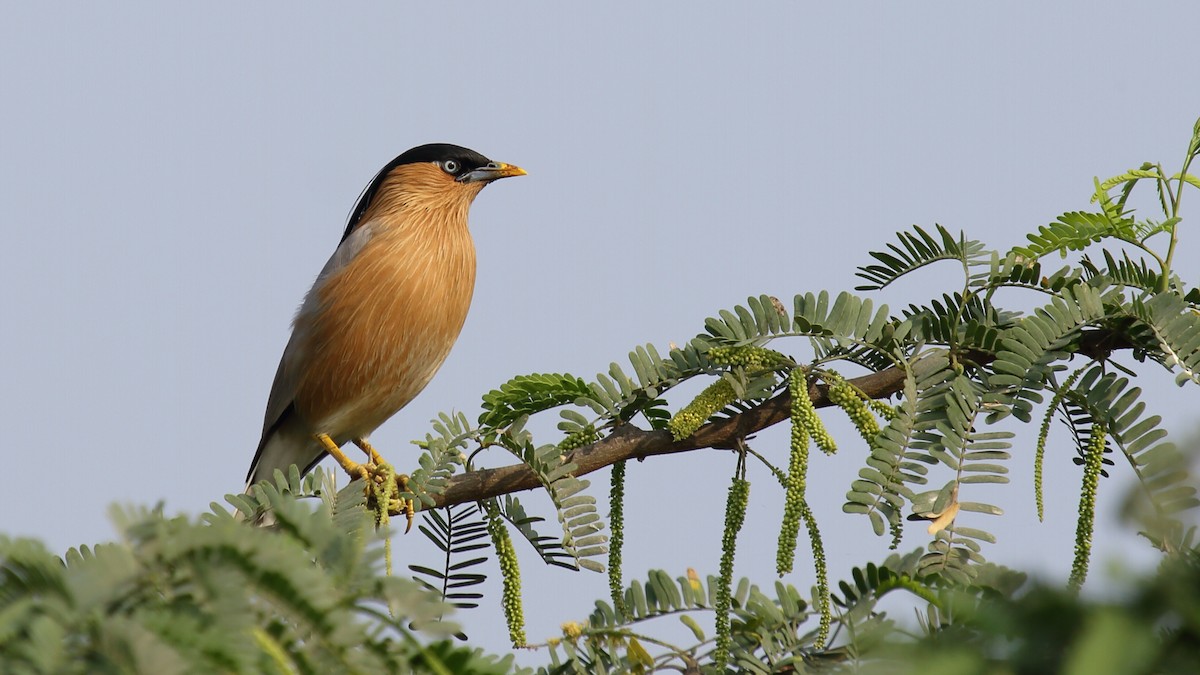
{"points": [[375, 457], [407, 507], [384, 485], [384, 490], [350, 466]]}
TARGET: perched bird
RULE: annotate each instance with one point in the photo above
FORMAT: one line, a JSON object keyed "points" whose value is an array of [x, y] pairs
{"points": [[383, 313]]}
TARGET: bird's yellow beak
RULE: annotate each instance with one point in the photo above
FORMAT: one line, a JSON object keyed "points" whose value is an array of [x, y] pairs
{"points": [[491, 172]]}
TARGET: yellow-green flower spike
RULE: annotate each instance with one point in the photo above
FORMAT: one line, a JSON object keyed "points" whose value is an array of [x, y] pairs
{"points": [[804, 413], [735, 515], [796, 479], [384, 496], [572, 630], [1093, 463], [896, 527], [882, 408], [748, 356], [506, 555], [1039, 454], [713, 399], [578, 439], [616, 540], [845, 396], [822, 573]]}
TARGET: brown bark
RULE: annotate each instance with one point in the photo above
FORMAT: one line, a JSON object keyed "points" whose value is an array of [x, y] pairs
{"points": [[629, 442]]}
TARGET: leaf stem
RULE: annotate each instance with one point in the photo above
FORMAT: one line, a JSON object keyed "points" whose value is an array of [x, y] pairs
{"points": [[1164, 282]]}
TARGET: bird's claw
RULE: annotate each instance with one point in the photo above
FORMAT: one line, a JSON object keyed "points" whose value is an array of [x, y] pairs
{"points": [[384, 485]]}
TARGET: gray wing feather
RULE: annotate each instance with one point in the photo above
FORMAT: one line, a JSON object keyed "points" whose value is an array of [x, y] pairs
{"points": [[283, 389]]}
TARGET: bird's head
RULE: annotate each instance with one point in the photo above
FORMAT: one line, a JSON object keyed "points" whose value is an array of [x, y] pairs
{"points": [[436, 177]]}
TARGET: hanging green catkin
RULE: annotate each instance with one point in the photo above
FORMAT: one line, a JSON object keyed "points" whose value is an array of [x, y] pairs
{"points": [[385, 496], [616, 542], [1093, 463], [713, 399], [802, 413], [506, 555], [1039, 454], [882, 408], [845, 396], [735, 515], [821, 568]]}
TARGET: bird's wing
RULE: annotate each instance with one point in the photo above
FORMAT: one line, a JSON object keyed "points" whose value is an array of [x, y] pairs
{"points": [[283, 389], [280, 414]]}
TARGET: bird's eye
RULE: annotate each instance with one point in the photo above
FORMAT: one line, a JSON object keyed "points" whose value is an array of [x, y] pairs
{"points": [[450, 166]]}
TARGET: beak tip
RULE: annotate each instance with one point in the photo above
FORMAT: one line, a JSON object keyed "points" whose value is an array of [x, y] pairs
{"points": [[492, 172]]}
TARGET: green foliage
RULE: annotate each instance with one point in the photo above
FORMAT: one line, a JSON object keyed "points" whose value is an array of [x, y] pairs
{"points": [[549, 549], [1172, 321], [966, 364], [577, 513], [917, 249], [444, 452], [763, 629], [454, 531], [947, 434], [880, 490], [218, 595], [309, 594], [1075, 231], [529, 394], [1052, 630], [1029, 350]]}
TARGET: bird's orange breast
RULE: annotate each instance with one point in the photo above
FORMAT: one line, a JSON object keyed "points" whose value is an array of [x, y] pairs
{"points": [[384, 324]]}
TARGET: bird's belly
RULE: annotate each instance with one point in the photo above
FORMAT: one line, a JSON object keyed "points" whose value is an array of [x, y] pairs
{"points": [[379, 338], [385, 389]]}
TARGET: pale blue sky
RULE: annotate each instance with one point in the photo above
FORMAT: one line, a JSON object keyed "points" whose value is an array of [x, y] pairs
{"points": [[171, 180]]}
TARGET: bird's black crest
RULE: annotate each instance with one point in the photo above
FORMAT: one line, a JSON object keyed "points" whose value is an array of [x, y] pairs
{"points": [[468, 160]]}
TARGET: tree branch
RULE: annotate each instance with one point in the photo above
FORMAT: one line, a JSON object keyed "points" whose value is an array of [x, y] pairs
{"points": [[630, 442]]}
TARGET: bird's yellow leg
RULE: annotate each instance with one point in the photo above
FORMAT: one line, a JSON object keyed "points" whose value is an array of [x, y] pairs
{"points": [[406, 505], [366, 447], [351, 467]]}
